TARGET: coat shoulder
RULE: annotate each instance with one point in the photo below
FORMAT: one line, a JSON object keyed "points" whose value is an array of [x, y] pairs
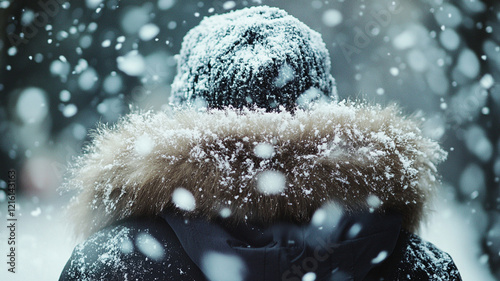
{"points": [[422, 260], [136, 249], [415, 259]]}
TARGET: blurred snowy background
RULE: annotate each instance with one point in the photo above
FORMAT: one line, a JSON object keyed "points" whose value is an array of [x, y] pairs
{"points": [[65, 65]]}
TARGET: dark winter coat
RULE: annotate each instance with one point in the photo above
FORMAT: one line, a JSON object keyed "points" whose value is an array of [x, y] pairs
{"points": [[352, 187]]}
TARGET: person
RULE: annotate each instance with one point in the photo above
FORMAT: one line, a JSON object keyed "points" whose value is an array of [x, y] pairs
{"points": [[259, 173]]}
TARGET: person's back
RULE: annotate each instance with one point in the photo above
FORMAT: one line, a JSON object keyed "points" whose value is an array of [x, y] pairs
{"points": [[259, 174]]}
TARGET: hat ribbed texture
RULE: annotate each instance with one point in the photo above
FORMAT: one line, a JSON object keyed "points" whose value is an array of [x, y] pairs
{"points": [[258, 56]]}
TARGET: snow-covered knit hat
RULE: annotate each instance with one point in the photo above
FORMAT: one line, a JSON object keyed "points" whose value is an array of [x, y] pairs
{"points": [[258, 56]]}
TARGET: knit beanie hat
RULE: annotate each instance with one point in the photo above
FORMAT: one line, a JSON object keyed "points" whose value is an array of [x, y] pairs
{"points": [[258, 56]]}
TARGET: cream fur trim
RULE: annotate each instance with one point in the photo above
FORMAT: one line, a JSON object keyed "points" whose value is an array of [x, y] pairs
{"points": [[349, 153]]}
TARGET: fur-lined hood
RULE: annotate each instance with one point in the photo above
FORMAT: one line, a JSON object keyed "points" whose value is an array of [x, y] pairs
{"points": [[251, 165]]}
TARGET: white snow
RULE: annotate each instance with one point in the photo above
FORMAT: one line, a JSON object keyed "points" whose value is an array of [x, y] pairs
{"points": [[72, 30], [417, 60], [126, 246], [228, 5], [144, 144], [61, 35], [332, 18], [12, 51], [285, 75], [112, 84], [92, 27], [467, 103], [92, 4], [328, 216], [443, 105], [380, 257], [149, 246], [4, 4], [487, 81], [309, 97], [310, 276], [171, 25], [256, 57], [448, 15], [472, 179], [394, 71], [69, 110], [165, 4], [316, 4], [39, 58], [132, 63], [102, 108], [354, 230], [437, 81], [373, 201], [223, 267], [148, 31], [478, 143], [449, 39], [134, 18], [106, 43], [405, 40], [225, 213], [81, 66], [183, 199], [474, 6], [79, 131], [271, 182], [36, 212], [85, 41], [264, 150], [31, 106], [87, 79], [59, 68], [110, 108], [434, 127], [468, 63], [319, 217], [27, 17]]}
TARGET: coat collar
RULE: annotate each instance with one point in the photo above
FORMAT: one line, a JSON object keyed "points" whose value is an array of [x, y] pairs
{"points": [[251, 165]]}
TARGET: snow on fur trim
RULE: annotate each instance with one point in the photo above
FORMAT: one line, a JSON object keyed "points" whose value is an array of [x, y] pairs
{"points": [[346, 152]]}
